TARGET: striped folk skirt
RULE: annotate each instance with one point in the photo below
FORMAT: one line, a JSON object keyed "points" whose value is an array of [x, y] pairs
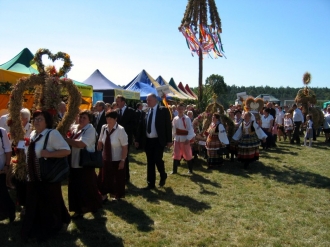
{"points": [[212, 145], [248, 148]]}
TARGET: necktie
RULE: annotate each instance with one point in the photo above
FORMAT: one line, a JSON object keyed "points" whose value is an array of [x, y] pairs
{"points": [[150, 121], [33, 167], [98, 119], [184, 123], [107, 147], [119, 116]]}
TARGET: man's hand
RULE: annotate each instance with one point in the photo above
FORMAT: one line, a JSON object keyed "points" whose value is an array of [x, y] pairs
{"points": [[136, 144], [169, 144]]}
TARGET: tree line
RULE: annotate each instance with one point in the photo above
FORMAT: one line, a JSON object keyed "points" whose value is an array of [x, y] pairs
{"points": [[226, 94]]}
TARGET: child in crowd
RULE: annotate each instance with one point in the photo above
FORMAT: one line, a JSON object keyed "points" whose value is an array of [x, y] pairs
{"points": [[309, 131], [288, 125]]}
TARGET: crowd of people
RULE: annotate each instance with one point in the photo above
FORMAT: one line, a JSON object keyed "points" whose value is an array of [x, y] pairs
{"points": [[112, 129]]}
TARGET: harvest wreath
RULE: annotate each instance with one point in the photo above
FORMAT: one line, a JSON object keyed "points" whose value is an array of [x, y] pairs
{"points": [[48, 86]]}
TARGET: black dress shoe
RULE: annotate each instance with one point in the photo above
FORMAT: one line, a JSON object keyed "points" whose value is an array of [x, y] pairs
{"points": [[163, 181], [77, 216], [148, 187]]}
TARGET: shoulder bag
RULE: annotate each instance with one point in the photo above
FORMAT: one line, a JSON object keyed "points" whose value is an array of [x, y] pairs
{"points": [[90, 159], [53, 170]]}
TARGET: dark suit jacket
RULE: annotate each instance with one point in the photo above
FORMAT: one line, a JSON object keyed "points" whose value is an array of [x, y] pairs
{"points": [[139, 116], [101, 122], [128, 122], [163, 127]]}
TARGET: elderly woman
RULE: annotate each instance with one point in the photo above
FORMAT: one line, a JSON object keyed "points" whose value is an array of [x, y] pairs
{"points": [[25, 119], [84, 195], [46, 213], [19, 184], [248, 143], [113, 140], [7, 206], [216, 139]]}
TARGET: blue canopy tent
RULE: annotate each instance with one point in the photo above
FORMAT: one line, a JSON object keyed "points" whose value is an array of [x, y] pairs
{"points": [[143, 88]]}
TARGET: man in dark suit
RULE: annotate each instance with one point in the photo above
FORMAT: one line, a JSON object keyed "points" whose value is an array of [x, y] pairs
{"points": [[126, 118], [154, 133], [99, 117], [139, 116]]}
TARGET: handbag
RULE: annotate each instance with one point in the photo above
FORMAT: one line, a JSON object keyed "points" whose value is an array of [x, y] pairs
{"points": [[53, 170], [90, 159]]}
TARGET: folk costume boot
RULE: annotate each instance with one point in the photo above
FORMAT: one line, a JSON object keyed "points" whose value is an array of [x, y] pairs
{"points": [[190, 167], [176, 163]]}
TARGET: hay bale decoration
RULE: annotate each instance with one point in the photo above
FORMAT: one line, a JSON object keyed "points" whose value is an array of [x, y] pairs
{"points": [[306, 95], [48, 84]]}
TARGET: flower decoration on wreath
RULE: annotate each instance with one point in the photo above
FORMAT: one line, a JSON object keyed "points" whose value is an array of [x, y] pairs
{"points": [[48, 85]]}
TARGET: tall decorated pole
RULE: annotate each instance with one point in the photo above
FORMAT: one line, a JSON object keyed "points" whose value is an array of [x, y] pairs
{"points": [[208, 42]]}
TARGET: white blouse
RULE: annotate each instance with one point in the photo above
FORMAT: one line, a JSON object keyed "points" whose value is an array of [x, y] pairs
{"points": [[5, 148], [28, 130], [238, 134], [265, 121], [87, 136], [55, 141], [118, 139]]}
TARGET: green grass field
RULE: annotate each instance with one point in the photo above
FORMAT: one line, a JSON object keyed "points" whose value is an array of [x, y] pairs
{"points": [[282, 200]]}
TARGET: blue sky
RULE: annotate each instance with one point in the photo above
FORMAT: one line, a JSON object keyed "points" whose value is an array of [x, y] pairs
{"points": [[266, 42]]}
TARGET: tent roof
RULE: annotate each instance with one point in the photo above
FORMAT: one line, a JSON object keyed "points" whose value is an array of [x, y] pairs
{"points": [[180, 85], [271, 97], [143, 77], [173, 84], [190, 91], [21, 63], [175, 92], [143, 88], [325, 104], [100, 82]]}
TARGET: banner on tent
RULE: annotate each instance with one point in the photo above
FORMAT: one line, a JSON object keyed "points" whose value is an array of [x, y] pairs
{"points": [[127, 94], [97, 97], [85, 91]]}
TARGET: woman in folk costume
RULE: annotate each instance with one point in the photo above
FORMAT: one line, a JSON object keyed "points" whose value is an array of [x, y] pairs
{"points": [[233, 145], [183, 134], [216, 139], [248, 135]]}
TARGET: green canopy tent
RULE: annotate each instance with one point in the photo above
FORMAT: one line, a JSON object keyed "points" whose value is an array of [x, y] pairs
{"points": [[325, 104], [23, 65]]}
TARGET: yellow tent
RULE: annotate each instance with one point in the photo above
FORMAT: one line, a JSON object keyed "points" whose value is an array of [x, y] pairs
{"points": [[11, 77]]}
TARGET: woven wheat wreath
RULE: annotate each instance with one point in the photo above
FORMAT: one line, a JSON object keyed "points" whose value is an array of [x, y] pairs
{"points": [[48, 86]]}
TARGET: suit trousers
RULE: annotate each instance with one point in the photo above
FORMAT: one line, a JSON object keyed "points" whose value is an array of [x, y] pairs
{"points": [[295, 135], [154, 152]]}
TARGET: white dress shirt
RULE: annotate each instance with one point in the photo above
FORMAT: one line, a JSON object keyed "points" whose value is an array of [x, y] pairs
{"points": [[153, 133], [298, 116]]}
